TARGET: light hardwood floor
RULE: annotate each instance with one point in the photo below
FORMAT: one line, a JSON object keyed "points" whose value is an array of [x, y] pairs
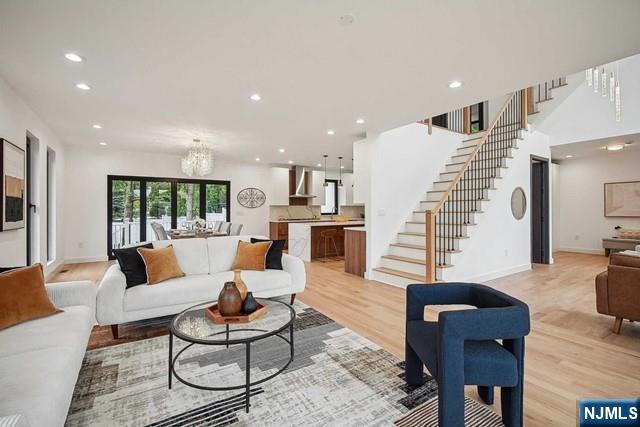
{"points": [[571, 352]]}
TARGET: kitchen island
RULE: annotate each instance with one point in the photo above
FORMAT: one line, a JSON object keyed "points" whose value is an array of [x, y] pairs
{"points": [[306, 243]]}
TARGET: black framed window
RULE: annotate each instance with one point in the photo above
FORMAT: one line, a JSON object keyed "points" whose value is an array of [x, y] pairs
{"points": [[477, 117], [330, 206], [134, 203]]}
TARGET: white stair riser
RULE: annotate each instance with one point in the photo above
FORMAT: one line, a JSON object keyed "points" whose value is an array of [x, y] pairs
{"points": [[448, 176], [468, 184], [417, 253], [457, 216], [420, 228], [411, 240], [456, 206], [391, 279], [407, 267], [436, 196], [421, 240], [453, 168], [462, 157]]}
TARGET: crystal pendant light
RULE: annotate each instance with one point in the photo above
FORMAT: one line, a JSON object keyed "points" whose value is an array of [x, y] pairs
{"points": [[340, 171], [198, 160], [603, 77], [596, 81], [589, 76], [326, 184], [612, 89]]}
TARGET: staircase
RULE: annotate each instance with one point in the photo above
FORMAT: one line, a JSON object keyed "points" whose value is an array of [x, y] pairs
{"points": [[436, 231]]}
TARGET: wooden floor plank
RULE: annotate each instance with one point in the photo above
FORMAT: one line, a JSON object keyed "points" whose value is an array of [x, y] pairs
{"points": [[571, 352]]}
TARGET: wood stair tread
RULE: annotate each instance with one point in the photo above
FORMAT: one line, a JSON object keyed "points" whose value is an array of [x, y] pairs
{"points": [[399, 273], [444, 223], [411, 233], [459, 200], [405, 259], [471, 212], [423, 248]]}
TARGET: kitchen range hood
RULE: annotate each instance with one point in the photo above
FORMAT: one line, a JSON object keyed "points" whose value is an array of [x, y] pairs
{"points": [[301, 184]]}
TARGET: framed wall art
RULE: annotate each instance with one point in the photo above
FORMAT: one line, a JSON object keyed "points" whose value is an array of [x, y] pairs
{"points": [[622, 199], [12, 193]]}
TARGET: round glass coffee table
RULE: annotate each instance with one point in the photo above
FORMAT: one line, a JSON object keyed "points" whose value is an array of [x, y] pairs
{"points": [[194, 327]]}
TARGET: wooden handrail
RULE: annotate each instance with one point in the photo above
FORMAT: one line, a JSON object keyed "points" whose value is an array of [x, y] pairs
{"points": [[430, 215], [472, 156]]}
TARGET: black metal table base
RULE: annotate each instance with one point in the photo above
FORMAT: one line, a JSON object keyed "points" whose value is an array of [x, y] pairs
{"points": [[248, 384]]}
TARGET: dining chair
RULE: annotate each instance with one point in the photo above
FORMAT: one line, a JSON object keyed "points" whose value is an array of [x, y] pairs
{"points": [[216, 225], [225, 227], [235, 229], [159, 231]]}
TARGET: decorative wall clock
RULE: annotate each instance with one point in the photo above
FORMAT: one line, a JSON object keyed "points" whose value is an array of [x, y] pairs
{"points": [[251, 198]]}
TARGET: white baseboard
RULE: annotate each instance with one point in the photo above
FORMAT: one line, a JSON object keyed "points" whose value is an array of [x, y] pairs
{"points": [[581, 250], [80, 260], [499, 273]]}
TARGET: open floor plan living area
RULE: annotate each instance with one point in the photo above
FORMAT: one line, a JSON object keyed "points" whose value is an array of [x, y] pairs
{"points": [[415, 213]]}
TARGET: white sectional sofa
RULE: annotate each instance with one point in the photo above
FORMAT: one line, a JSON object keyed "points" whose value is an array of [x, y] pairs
{"points": [[207, 265], [40, 359]]}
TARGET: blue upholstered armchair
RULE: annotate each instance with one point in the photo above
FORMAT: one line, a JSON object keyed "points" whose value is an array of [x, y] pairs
{"points": [[461, 347]]}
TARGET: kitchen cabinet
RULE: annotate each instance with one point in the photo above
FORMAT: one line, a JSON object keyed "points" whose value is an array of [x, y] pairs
{"points": [[317, 188], [355, 250], [279, 231], [345, 193], [279, 194]]}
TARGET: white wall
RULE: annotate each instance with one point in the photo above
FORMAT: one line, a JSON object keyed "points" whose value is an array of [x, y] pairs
{"points": [[579, 199], [404, 163], [86, 193], [586, 116], [500, 244], [16, 119]]}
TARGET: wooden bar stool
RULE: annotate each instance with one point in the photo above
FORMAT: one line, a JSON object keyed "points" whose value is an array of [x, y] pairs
{"points": [[329, 235]]}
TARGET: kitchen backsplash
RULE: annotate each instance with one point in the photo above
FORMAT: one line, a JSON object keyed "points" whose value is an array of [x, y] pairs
{"points": [[309, 212]]}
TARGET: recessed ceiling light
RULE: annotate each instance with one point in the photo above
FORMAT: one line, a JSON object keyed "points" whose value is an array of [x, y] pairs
{"points": [[342, 167], [331, 132], [360, 121], [102, 143], [455, 84], [257, 159], [290, 162], [281, 150], [568, 156], [83, 86], [255, 97], [319, 165], [73, 57], [615, 147], [96, 126]]}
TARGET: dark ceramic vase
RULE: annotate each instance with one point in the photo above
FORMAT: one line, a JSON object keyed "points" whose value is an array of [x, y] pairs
{"points": [[229, 300], [250, 304]]}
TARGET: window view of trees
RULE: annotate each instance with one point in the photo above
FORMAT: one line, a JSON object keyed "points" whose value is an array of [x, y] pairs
{"points": [[131, 222], [188, 200]]}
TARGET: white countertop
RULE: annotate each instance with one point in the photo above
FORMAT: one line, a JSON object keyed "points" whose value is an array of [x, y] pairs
{"points": [[295, 221], [356, 228], [345, 223]]}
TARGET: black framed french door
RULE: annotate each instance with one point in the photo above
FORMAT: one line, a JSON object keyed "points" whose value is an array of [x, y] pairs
{"points": [[134, 203]]}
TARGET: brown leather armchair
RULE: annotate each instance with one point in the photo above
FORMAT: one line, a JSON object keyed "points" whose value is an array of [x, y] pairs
{"points": [[618, 289]]}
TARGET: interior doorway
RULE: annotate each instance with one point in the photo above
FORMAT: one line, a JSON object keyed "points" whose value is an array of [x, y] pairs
{"points": [[32, 226], [540, 215]]}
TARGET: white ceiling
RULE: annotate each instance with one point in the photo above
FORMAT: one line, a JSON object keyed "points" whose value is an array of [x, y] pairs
{"points": [[165, 71], [596, 147]]}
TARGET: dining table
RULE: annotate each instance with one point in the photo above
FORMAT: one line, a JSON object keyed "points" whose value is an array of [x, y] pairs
{"points": [[191, 234]]}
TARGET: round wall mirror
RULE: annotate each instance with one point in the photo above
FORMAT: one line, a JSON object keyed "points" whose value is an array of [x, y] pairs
{"points": [[518, 203]]}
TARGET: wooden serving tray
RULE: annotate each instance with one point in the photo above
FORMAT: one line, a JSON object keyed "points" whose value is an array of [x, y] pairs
{"points": [[214, 315]]}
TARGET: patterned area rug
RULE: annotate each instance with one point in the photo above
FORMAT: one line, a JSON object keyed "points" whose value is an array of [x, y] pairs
{"points": [[336, 378]]}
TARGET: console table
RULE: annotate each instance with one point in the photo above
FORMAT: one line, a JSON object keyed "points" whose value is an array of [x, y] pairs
{"points": [[616, 244]]}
